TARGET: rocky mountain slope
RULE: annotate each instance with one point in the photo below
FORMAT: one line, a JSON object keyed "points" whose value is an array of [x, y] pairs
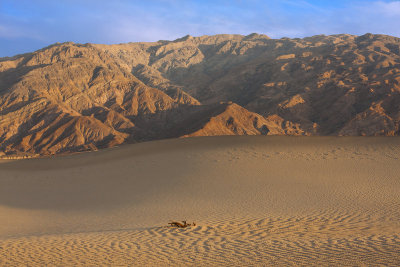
{"points": [[72, 97]]}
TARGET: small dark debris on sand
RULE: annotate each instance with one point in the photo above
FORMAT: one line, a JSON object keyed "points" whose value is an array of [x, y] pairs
{"points": [[181, 225]]}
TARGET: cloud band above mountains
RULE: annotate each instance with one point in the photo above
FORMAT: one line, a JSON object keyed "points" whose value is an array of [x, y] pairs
{"points": [[26, 26]]}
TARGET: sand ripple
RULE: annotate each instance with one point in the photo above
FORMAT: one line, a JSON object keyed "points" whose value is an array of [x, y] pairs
{"points": [[257, 201], [320, 239]]}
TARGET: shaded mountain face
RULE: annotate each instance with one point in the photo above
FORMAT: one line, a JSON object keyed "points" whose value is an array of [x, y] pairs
{"points": [[71, 97]]}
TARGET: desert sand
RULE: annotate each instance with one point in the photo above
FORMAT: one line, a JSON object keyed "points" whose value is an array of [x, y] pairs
{"points": [[256, 201]]}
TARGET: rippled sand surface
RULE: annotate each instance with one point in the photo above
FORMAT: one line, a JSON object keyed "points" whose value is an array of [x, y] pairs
{"points": [[256, 201]]}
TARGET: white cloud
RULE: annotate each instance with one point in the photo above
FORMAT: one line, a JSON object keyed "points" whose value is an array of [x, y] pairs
{"points": [[290, 18], [354, 17], [389, 9], [130, 21], [375, 17]]}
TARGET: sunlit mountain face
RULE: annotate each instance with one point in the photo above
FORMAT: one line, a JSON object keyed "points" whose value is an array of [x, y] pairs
{"points": [[71, 97]]}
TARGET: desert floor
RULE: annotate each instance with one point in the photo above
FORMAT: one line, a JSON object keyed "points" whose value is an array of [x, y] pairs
{"points": [[256, 201]]}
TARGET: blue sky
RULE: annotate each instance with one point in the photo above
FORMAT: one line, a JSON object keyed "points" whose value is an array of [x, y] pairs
{"points": [[28, 25]]}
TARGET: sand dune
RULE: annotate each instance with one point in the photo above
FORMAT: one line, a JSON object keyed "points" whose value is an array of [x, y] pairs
{"points": [[256, 201]]}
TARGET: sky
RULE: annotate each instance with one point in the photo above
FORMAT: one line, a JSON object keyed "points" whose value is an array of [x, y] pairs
{"points": [[28, 25]]}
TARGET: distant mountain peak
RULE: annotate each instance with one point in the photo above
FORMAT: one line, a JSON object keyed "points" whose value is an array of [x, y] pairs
{"points": [[184, 38], [72, 97], [253, 36]]}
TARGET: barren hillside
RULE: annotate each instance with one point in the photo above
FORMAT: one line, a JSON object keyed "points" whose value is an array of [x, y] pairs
{"points": [[72, 97]]}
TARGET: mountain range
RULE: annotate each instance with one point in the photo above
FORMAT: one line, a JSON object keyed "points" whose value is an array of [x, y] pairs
{"points": [[75, 97]]}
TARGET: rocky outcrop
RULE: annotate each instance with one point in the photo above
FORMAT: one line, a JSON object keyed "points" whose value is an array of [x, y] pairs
{"points": [[71, 97]]}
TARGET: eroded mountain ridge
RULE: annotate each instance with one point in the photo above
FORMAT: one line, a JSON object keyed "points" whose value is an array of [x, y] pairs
{"points": [[72, 97]]}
